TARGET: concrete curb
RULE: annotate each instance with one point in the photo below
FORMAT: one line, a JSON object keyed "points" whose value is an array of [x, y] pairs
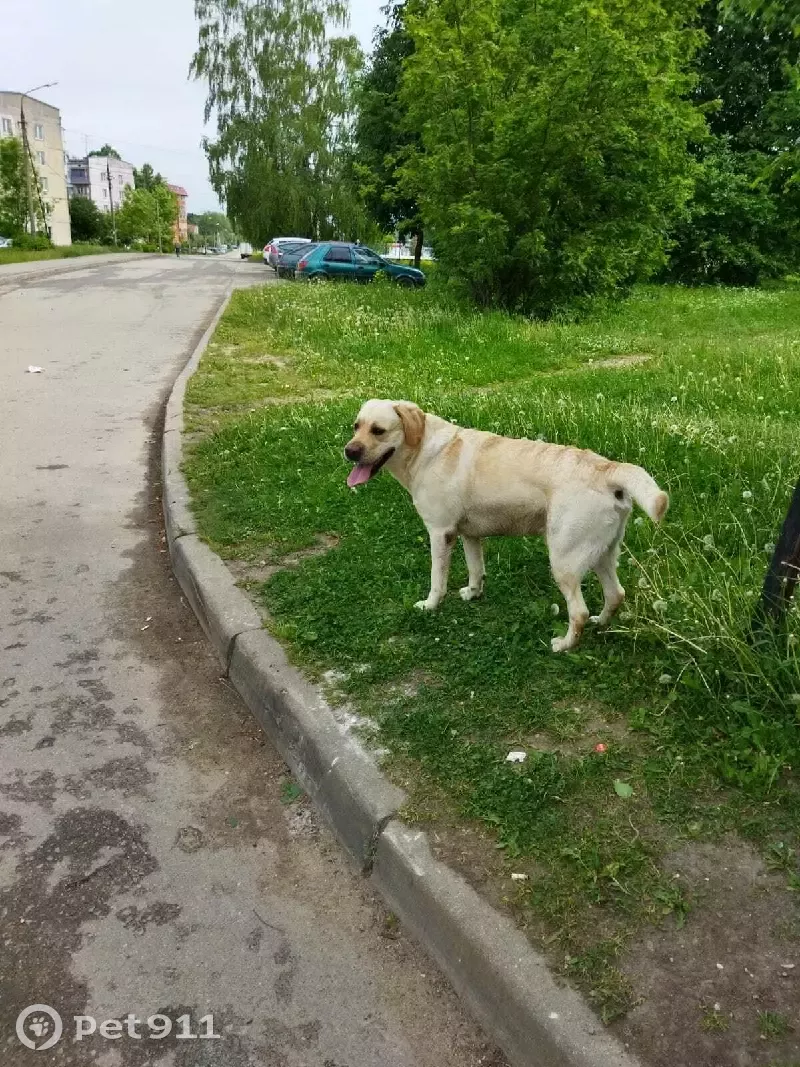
{"points": [[488, 960], [336, 772], [490, 963]]}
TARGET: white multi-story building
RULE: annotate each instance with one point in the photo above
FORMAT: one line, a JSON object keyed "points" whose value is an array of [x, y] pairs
{"points": [[103, 179], [46, 146]]}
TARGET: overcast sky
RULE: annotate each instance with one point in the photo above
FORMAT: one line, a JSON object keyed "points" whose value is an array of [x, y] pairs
{"points": [[121, 70]]}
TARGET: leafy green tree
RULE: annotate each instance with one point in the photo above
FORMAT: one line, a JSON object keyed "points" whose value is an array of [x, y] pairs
{"points": [[772, 13], [383, 138], [554, 141], [280, 85], [13, 191], [743, 224], [146, 177], [106, 150], [86, 220], [213, 223], [748, 80], [148, 215]]}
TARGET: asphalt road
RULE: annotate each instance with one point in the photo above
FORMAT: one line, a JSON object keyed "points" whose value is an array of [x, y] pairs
{"points": [[149, 860]]}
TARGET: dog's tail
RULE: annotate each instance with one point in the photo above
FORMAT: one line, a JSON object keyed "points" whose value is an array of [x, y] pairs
{"points": [[638, 483]]}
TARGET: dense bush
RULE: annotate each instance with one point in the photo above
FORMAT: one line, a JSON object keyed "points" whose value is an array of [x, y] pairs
{"points": [[739, 229], [37, 242], [88, 222], [554, 141]]}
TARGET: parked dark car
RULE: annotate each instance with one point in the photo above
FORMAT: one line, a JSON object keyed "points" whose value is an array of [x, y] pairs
{"points": [[289, 256], [351, 262]]}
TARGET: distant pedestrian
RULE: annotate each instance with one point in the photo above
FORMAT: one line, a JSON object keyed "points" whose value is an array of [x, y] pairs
{"points": [[177, 250]]}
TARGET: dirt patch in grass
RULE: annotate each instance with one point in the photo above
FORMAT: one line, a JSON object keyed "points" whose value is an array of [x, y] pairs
{"points": [[256, 572], [623, 361], [275, 361], [729, 979]]}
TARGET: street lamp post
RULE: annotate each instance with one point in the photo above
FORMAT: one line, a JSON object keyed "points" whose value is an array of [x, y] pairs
{"points": [[26, 152]]}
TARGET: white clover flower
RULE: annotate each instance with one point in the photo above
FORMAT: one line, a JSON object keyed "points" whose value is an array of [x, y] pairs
{"points": [[794, 698], [643, 583], [638, 520], [665, 679], [660, 606], [708, 541], [747, 495], [554, 609], [769, 546]]}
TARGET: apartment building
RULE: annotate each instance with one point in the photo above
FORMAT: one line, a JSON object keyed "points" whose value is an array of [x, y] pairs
{"points": [[103, 179], [46, 144], [181, 228]]}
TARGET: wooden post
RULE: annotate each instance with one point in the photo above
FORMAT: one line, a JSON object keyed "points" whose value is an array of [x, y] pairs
{"points": [[784, 570]]}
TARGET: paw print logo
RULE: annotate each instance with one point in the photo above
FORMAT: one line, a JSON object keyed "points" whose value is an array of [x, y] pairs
{"points": [[39, 1027]]}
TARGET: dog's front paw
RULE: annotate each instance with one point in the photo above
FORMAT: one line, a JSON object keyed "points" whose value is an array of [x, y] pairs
{"points": [[560, 644], [468, 592], [427, 605]]}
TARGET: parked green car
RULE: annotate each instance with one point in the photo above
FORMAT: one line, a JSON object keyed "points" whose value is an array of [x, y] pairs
{"points": [[354, 263]]}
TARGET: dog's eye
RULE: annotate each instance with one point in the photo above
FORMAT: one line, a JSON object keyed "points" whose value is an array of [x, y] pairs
{"points": [[378, 431], [355, 427]]}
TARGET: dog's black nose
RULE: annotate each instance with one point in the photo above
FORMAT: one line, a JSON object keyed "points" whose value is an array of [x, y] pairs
{"points": [[354, 452]]}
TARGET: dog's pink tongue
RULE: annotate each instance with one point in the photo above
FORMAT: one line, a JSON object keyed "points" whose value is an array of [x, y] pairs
{"points": [[359, 474]]}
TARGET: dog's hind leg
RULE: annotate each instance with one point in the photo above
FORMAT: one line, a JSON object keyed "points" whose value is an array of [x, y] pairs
{"points": [[473, 552], [606, 571], [570, 586], [442, 542]]}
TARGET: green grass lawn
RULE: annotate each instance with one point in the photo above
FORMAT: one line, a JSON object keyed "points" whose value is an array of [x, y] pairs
{"points": [[21, 255], [700, 720]]}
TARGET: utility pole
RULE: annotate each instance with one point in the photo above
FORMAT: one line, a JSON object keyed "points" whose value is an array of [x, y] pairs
{"points": [[158, 223], [784, 571], [26, 153], [111, 199]]}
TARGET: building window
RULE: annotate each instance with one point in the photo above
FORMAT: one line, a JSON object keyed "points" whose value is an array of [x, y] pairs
{"points": [[8, 126], [38, 131], [40, 157], [44, 184], [105, 194]]}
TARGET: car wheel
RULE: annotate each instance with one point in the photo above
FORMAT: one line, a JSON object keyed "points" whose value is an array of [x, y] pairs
{"points": [[405, 281], [320, 277]]}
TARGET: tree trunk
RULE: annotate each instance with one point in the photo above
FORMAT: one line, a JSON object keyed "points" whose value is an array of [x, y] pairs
{"points": [[418, 248], [784, 570]]}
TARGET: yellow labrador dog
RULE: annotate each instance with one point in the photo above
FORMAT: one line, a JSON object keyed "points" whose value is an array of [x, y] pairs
{"points": [[473, 484]]}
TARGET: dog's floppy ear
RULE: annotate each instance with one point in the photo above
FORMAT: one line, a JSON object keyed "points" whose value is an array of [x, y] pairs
{"points": [[413, 420]]}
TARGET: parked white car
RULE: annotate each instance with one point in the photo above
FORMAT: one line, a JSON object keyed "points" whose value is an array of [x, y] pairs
{"points": [[245, 250], [272, 249], [6, 242]]}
